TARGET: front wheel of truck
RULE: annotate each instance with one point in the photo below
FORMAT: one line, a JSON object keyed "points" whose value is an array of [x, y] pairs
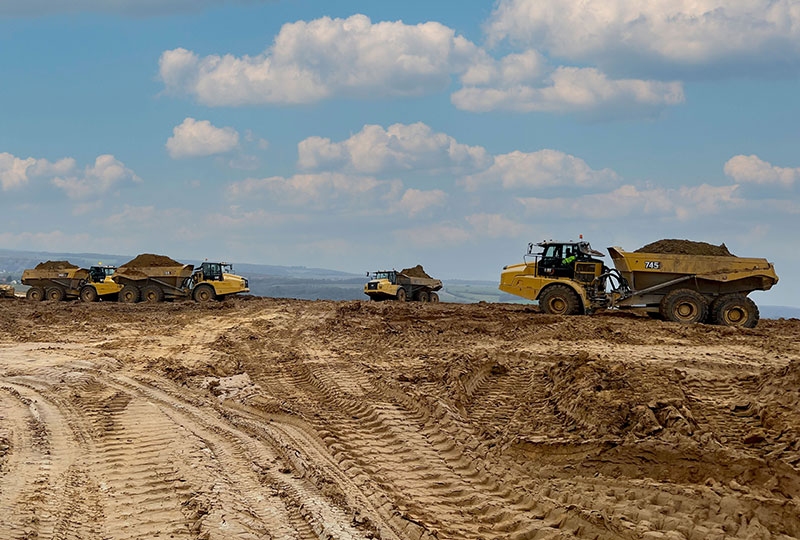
{"points": [[559, 300]]}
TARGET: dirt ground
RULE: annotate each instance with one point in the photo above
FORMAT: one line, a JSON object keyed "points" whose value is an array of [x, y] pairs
{"points": [[286, 419]]}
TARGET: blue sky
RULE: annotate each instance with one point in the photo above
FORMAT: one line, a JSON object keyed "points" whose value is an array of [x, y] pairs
{"points": [[358, 135]]}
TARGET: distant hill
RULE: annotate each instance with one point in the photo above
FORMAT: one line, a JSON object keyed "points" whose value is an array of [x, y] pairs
{"points": [[779, 312]]}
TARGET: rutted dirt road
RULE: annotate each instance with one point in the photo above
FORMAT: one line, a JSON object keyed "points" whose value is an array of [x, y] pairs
{"points": [[260, 418]]}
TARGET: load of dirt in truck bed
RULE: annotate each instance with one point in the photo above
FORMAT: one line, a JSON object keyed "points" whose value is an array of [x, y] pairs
{"points": [[416, 271], [55, 265], [685, 247], [146, 260]]}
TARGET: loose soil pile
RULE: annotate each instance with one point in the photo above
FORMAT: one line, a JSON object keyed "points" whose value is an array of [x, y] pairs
{"points": [[276, 418], [55, 265], [146, 260], [416, 271], [685, 247]]}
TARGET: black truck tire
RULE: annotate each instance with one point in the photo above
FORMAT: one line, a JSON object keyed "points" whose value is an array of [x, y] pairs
{"points": [[152, 294], [129, 294], [684, 306], [401, 295], [204, 293], [434, 298], [559, 300], [88, 294], [735, 310], [55, 294], [423, 296], [35, 294]]}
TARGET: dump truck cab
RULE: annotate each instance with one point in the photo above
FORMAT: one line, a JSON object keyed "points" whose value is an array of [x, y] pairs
{"points": [[382, 285], [213, 280], [565, 277], [99, 285]]}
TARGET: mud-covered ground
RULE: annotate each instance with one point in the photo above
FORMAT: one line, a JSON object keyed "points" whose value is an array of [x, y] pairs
{"points": [[260, 418]]}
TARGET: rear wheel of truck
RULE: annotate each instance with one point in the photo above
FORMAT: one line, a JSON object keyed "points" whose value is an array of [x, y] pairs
{"points": [[422, 296], [88, 294], [434, 298], [401, 295], [35, 294], [559, 300], [152, 294], [735, 310], [204, 293], [55, 294], [128, 295], [684, 306]]}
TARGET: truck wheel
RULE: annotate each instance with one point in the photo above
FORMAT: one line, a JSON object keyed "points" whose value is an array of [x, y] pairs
{"points": [[128, 295], [434, 298], [735, 310], [559, 300], [55, 294], [401, 295], [422, 296], [35, 294], [88, 294], [204, 293], [152, 294], [684, 306]]}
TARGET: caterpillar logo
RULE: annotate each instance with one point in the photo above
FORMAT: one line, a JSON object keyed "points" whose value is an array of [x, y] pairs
{"points": [[652, 265]]}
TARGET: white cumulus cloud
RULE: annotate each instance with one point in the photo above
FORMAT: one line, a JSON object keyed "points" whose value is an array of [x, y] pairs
{"points": [[738, 35], [310, 61], [106, 173], [399, 147], [568, 89], [17, 172], [544, 168], [194, 138], [415, 201], [325, 189], [754, 170]]}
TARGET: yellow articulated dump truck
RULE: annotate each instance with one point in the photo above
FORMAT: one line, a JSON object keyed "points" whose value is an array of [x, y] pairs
{"points": [[568, 278], [54, 280], [99, 285], [155, 278], [410, 284]]}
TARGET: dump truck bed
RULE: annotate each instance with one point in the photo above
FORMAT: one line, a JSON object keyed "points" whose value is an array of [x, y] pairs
{"points": [[173, 276], [719, 274], [432, 284]]}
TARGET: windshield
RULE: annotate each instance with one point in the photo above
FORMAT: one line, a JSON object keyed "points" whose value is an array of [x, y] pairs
{"points": [[109, 271], [227, 268], [383, 275]]}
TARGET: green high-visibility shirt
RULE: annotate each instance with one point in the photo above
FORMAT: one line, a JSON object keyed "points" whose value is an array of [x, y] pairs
{"points": [[569, 260]]}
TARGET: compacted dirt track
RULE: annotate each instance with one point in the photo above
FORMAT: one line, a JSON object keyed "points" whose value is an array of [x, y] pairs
{"points": [[261, 418]]}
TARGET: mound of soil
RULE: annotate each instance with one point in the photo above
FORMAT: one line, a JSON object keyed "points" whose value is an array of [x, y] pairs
{"points": [[416, 271], [608, 397], [55, 265], [685, 247], [149, 260]]}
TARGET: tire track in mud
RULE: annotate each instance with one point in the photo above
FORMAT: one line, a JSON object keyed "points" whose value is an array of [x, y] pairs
{"points": [[261, 472], [46, 490], [414, 454]]}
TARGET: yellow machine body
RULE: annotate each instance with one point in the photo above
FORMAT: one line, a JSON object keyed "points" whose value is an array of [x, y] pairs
{"points": [[380, 289], [230, 284], [522, 280]]}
